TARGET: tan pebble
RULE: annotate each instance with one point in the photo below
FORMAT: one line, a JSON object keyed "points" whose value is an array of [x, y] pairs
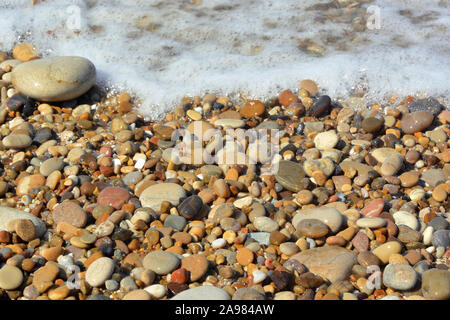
{"points": [[384, 251], [52, 254], [309, 85], [244, 256], [58, 293], [439, 194], [24, 52], [396, 257], [194, 115]]}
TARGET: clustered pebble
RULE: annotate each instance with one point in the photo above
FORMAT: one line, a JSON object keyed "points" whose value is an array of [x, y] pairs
{"points": [[92, 207]]}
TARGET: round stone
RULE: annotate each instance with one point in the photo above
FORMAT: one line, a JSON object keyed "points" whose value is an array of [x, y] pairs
{"points": [[312, 228], [367, 258], [99, 271], [161, 262], [265, 224], [154, 195], [384, 251], [27, 183], [406, 218], [115, 197], [196, 265], [436, 284], [372, 124], [310, 86], [25, 229], [399, 276], [244, 256], [324, 165], [290, 175], [176, 222], [409, 179], [326, 140], [55, 78], [252, 108], [190, 207], [203, 293], [71, 213], [416, 121], [10, 277], [139, 294], [50, 165], [329, 216], [438, 223], [287, 97]]}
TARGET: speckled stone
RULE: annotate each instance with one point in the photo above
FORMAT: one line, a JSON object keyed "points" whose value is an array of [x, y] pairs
{"points": [[436, 284], [399, 276]]}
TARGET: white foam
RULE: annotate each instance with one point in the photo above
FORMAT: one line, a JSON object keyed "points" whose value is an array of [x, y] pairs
{"points": [[238, 46]]}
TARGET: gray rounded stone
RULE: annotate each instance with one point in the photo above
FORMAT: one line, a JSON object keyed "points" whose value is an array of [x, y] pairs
{"points": [[176, 222], [154, 195], [248, 294], [99, 271], [399, 276], [290, 175], [161, 262], [203, 293], [441, 238], [50, 165], [55, 78]]}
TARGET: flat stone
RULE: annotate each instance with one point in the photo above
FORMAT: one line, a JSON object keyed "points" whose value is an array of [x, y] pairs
{"points": [[326, 140], [436, 284], [248, 294], [54, 78], [373, 208], [50, 165], [139, 294], [416, 121], [407, 235], [361, 242], [433, 177], [154, 195], [332, 262], [161, 262], [115, 197], [71, 213], [367, 258], [203, 293], [330, 216], [10, 277], [290, 175], [175, 222], [399, 276], [312, 228], [230, 123], [358, 166], [9, 214], [372, 223], [99, 271], [438, 223], [372, 124], [196, 265], [380, 154], [16, 141], [265, 224]]}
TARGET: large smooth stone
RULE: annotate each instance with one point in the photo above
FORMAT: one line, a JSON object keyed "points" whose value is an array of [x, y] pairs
{"points": [[161, 262], [155, 194], [384, 251], [399, 276], [416, 121], [332, 262], [10, 277], [7, 214], [330, 216], [290, 175], [55, 78], [203, 293], [99, 271], [436, 284]]}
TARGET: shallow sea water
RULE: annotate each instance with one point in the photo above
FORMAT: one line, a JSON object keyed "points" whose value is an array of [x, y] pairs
{"points": [[164, 50]]}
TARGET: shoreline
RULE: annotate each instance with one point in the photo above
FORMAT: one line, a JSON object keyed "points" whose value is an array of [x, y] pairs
{"points": [[356, 210]]}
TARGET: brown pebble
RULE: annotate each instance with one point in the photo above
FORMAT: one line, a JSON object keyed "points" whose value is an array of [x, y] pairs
{"points": [[244, 256]]}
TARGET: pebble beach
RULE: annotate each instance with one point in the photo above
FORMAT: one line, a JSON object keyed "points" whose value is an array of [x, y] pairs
{"points": [[93, 205], [228, 176]]}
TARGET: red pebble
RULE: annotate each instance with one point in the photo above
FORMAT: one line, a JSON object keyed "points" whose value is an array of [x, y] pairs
{"points": [[268, 264], [179, 276], [106, 150], [373, 208]]}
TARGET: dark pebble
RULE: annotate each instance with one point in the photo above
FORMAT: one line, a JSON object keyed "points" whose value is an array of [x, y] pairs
{"points": [[321, 106], [429, 104], [190, 207]]}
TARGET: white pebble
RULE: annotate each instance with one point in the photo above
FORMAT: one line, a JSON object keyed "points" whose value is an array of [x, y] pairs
{"points": [[311, 243], [139, 164], [219, 243], [440, 252], [427, 235], [431, 249], [258, 276], [156, 290], [407, 219]]}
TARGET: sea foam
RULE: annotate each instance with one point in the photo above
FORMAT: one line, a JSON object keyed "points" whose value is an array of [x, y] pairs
{"points": [[163, 50]]}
